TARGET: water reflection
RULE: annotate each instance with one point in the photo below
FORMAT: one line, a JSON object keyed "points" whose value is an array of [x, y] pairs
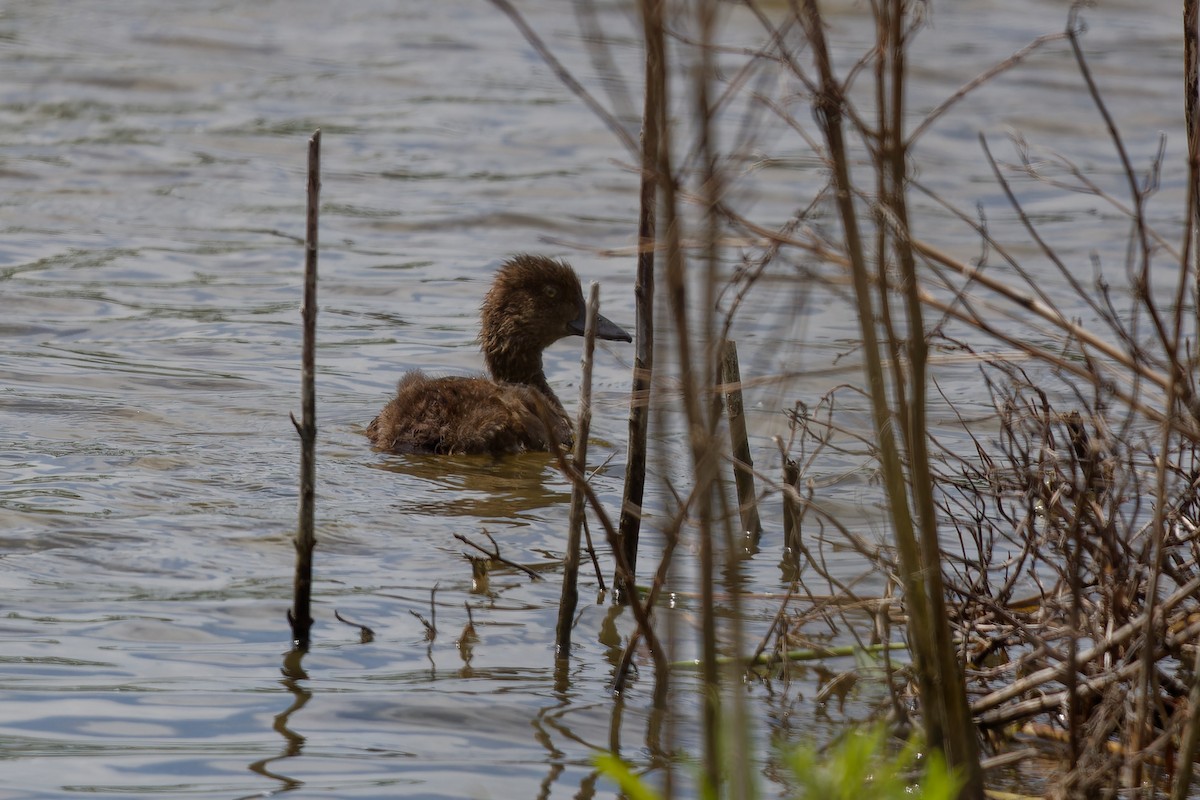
{"points": [[293, 742], [478, 486]]}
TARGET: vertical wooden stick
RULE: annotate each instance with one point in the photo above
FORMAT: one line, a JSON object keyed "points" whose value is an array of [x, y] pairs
{"points": [[643, 362], [743, 464], [570, 590], [299, 615]]}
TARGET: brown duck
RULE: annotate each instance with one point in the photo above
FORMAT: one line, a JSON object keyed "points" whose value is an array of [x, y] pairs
{"points": [[534, 301]]}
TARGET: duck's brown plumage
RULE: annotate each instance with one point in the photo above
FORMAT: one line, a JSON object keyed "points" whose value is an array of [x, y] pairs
{"points": [[534, 301]]}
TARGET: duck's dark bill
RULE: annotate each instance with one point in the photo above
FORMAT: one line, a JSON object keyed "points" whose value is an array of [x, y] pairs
{"points": [[605, 328]]}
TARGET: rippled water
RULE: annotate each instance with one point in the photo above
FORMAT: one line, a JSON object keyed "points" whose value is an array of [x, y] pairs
{"points": [[152, 157]]}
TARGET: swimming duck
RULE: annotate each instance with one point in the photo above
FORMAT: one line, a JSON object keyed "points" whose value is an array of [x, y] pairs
{"points": [[534, 301]]}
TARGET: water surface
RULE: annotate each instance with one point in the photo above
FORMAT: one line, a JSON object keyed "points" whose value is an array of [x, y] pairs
{"points": [[153, 156]]}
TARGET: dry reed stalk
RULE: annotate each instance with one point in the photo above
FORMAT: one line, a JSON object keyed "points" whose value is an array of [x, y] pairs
{"points": [[583, 426], [300, 615]]}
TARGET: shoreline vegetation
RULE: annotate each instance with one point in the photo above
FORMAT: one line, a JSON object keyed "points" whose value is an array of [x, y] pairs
{"points": [[1043, 565]]}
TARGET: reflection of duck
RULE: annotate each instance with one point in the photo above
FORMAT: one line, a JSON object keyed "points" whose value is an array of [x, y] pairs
{"points": [[534, 301], [499, 493]]}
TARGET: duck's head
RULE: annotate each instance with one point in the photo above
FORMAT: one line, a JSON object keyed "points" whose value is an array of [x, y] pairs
{"points": [[534, 301]]}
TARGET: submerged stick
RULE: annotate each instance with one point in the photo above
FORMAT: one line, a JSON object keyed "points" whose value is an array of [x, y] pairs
{"points": [[743, 464], [306, 541], [570, 590], [494, 554], [365, 634]]}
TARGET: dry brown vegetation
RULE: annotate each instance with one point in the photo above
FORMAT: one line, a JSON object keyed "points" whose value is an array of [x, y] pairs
{"points": [[1044, 561]]}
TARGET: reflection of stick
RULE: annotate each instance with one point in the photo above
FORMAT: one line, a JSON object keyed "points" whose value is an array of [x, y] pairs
{"points": [[494, 555], [570, 589], [306, 541], [743, 465]]}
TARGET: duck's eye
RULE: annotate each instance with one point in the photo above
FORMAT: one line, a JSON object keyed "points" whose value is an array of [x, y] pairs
{"points": [[551, 292]]}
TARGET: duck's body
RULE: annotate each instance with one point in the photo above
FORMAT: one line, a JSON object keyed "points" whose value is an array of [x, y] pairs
{"points": [[534, 301], [466, 415]]}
